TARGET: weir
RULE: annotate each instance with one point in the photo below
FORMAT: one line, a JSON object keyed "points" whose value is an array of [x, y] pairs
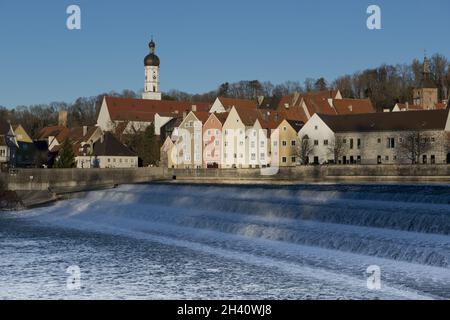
{"points": [[325, 231]]}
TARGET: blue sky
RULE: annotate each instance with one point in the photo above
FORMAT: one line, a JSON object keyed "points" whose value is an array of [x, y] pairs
{"points": [[203, 43]]}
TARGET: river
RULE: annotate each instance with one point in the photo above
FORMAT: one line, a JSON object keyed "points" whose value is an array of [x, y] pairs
{"points": [[181, 241]]}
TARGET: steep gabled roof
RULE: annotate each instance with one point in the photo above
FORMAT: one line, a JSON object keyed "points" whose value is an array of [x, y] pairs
{"points": [[124, 109], [388, 121], [297, 125], [248, 115], [110, 146]]}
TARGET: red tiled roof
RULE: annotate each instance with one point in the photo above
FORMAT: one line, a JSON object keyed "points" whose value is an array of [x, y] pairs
{"points": [[124, 109], [242, 103], [59, 132], [353, 106], [202, 115]]}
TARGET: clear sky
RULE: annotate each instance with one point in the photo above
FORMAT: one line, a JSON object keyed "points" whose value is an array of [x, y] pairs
{"points": [[202, 43]]}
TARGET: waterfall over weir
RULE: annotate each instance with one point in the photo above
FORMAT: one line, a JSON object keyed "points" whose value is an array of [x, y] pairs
{"points": [[337, 229]]}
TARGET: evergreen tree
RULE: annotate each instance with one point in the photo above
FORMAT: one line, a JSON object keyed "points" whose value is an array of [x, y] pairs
{"points": [[66, 157], [150, 147]]}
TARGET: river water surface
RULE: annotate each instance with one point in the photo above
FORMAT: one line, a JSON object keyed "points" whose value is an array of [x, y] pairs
{"points": [[172, 241]]}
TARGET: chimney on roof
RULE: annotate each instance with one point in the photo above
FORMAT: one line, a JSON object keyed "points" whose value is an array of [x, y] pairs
{"points": [[84, 130], [62, 118], [260, 100], [184, 114], [407, 105], [194, 108], [286, 105], [296, 97]]}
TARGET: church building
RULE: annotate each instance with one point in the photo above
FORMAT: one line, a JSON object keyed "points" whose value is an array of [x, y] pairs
{"points": [[127, 116]]}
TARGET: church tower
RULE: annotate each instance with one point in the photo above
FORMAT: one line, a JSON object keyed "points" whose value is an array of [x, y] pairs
{"points": [[427, 95], [151, 85]]}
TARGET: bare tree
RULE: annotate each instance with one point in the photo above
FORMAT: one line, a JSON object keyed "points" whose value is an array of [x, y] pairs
{"points": [[304, 150], [337, 149], [413, 144]]}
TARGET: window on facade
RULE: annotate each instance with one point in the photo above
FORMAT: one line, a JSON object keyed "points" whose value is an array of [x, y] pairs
{"points": [[386, 158], [284, 159], [390, 143], [316, 142], [293, 143], [284, 128], [351, 143], [253, 156], [325, 142], [316, 127], [284, 143], [262, 156], [359, 143], [433, 159], [293, 159], [379, 140], [252, 144]]}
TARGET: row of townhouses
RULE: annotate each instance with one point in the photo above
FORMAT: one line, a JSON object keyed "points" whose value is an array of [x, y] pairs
{"points": [[302, 128]]}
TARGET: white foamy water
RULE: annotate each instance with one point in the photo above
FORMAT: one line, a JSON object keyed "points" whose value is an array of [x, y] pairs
{"points": [[242, 242]]}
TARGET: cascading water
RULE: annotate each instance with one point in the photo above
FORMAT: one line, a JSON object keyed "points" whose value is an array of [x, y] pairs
{"points": [[329, 232]]}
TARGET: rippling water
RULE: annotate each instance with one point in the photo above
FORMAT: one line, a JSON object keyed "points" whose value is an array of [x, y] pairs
{"points": [[243, 242]]}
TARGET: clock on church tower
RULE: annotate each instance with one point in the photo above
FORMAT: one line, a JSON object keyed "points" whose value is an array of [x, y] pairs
{"points": [[151, 85]]}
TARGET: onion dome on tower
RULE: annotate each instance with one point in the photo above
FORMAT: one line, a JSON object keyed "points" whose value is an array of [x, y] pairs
{"points": [[151, 59]]}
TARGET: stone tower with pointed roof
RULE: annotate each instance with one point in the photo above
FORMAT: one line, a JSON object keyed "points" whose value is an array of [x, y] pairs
{"points": [[151, 64], [427, 95]]}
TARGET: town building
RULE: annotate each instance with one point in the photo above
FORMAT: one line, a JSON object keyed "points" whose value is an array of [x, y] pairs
{"points": [[242, 136], [285, 143], [189, 141], [8, 145], [128, 116], [380, 138], [26, 151], [108, 152], [212, 140]]}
